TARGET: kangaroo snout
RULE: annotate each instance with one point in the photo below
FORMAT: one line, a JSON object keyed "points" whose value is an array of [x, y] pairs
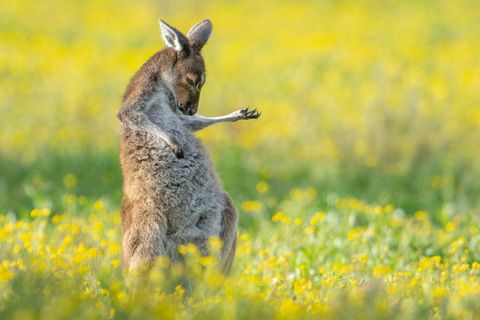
{"points": [[192, 109], [189, 108]]}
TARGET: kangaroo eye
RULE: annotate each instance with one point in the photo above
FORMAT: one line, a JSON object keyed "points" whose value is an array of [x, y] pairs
{"points": [[190, 81]]}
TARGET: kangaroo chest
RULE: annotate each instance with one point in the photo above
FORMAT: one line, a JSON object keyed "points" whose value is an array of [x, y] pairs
{"points": [[184, 190]]}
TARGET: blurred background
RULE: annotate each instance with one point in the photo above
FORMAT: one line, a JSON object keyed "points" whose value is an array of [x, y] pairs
{"points": [[377, 100]]}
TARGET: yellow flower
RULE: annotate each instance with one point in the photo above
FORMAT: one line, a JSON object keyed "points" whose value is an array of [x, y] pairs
{"points": [[450, 226], [297, 221], [429, 262], [341, 268], [244, 236], [309, 230], [381, 270], [262, 187], [69, 199], [307, 194], [361, 258], [317, 217], [186, 249], [207, 261], [69, 181], [98, 205], [121, 296], [252, 206], [162, 262], [179, 291], [277, 216], [460, 268], [355, 233], [439, 292], [91, 253], [56, 219], [281, 217], [115, 262], [456, 245], [475, 266], [5, 274], [388, 208], [215, 243], [37, 213], [421, 215]]}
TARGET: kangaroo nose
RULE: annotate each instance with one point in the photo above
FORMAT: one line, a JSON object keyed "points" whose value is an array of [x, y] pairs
{"points": [[192, 110]]}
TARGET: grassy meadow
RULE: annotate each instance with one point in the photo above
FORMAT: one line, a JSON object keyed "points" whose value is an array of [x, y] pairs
{"points": [[358, 189]]}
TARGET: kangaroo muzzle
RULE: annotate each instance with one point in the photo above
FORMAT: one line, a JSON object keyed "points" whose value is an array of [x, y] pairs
{"points": [[190, 109]]}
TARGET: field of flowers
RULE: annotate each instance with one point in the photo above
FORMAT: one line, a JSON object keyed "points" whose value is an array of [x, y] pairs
{"points": [[353, 260], [358, 189]]}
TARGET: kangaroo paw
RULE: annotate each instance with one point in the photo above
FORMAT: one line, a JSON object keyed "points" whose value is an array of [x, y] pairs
{"points": [[249, 114], [177, 149]]}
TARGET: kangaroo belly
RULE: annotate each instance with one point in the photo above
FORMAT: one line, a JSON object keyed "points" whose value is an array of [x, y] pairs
{"points": [[185, 191]]}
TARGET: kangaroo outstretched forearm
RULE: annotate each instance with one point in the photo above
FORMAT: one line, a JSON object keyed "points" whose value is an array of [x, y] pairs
{"points": [[198, 122], [138, 117]]}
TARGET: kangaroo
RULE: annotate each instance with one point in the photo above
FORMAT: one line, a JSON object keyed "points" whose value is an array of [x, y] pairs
{"points": [[171, 195]]}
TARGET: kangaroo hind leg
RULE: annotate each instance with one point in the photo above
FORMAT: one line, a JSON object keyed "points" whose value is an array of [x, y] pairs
{"points": [[143, 241]]}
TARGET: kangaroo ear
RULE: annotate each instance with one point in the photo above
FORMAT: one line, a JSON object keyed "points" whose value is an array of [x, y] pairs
{"points": [[172, 37], [199, 34]]}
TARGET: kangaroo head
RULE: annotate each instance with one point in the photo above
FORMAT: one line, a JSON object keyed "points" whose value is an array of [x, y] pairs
{"points": [[186, 74]]}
